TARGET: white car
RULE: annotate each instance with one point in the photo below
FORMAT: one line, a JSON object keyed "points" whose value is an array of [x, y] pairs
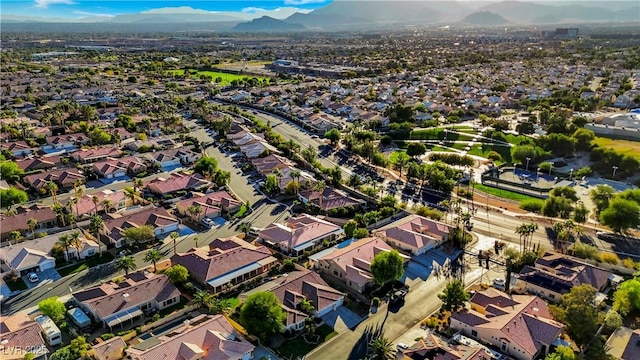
{"points": [[208, 222], [498, 283], [33, 277], [402, 346]]}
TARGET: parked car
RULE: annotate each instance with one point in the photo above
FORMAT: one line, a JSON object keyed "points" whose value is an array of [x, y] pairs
{"points": [[33, 277], [498, 283], [402, 346], [208, 222]]}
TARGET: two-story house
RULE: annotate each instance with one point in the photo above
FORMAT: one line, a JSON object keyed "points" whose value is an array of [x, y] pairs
{"points": [[299, 234]]}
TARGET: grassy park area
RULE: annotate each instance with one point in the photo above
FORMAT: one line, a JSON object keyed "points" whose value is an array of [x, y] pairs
{"points": [[505, 194], [225, 78], [625, 147]]}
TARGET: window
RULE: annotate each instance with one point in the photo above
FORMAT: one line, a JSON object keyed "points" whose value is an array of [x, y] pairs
{"points": [[504, 347], [335, 272], [552, 296], [91, 252], [474, 333]]}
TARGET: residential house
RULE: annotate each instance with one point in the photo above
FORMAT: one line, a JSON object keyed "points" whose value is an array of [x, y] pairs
{"points": [[117, 201], [206, 337], [112, 349], [211, 205], [227, 263], [352, 263], [414, 233], [521, 326], [553, 275], [173, 157], [39, 163], [95, 155], [256, 149], [297, 286], [35, 255], [20, 335], [162, 222], [115, 168], [64, 142], [177, 182], [433, 347], [44, 216], [267, 164], [329, 199], [120, 304], [64, 178], [163, 142], [300, 234], [17, 148], [624, 344]]}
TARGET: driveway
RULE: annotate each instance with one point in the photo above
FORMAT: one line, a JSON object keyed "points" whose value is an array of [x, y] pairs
{"points": [[342, 319], [47, 276]]}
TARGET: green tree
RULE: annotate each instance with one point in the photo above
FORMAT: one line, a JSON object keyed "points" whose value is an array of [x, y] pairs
{"points": [[99, 137], [333, 135], [401, 162], [350, 228], [139, 235], [174, 237], [579, 312], [177, 273], [562, 353], [53, 308], [621, 215], [387, 266], [601, 196], [627, 297], [153, 256], [203, 298], [389, 201], [612, 320], [416, 149], [262, 314], [565, 191], [206, 166], [557, 206], [10, 171], [381, 349], [454, 296], [126, 264], [520, 153], [583, 138], [12, 196], [271, 184], [580, 213]]}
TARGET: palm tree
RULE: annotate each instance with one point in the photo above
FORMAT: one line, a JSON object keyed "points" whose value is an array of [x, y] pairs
{"points": [[95, 226], [203, 298], [381, 348], [95, 200], [59, 210], [79, 192], [76, 242], [319, 187], [125, 263], [196, 240], [131, 194], [195, 211], [153, 256], [522, 231], [32, 227], [64, 241], [70, 203], [295, 174], [245, 228], [107, 205], [279, 175], [53, 190], [531, 229], [174, 236]]}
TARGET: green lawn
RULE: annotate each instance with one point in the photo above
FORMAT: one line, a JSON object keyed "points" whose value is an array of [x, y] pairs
{"points": [[298, 347], [440, 148], [76, 268], [505, 194], [625, 147], [240, 213], [438, 134], [394, 155], [233, 303], [226, 77], [17, 285]]}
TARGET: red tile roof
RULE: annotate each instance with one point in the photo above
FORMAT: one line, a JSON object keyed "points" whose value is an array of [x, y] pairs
{"points": [[19, 220], [19, 334], [298, 230], [177, 181], [415, 231], [153, 216]]}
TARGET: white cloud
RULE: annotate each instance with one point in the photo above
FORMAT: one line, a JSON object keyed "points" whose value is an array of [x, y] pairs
{"points": [[84, 13], [302, 2], [43, 4], [251, 10]]}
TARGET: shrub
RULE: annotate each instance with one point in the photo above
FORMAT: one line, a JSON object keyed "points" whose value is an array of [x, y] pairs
{"points": [[585, 251], [532, 205], [106, 336], [494, 155], [628, 263], [609, 258], [375, 301], [12, 276]]}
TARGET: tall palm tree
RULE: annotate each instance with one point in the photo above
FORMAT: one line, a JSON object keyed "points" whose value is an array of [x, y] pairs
{"points": [[95, 226], [381, 349], [60, 213], [125, 263], [76, 242], [153, 256], [32, 227], [96, 201], [72, 217], [131, 194], [52, 187], [203, 298], [278, 174], [295, 174], [195, 238], [531, 229], [245, 227], [319, 187], [174, 236], [107, 205], [79, 193], [64, 241], [522, 231]]}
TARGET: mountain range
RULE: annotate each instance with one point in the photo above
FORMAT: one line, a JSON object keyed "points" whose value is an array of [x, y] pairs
{"points": [[359, 15]]}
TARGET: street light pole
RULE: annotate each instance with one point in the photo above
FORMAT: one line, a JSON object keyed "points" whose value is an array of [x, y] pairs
{"points": [[527, 168], [570, 174], [614, 172]]}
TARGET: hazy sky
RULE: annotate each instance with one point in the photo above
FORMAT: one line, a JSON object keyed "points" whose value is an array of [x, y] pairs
{"points": [[85, 8]]}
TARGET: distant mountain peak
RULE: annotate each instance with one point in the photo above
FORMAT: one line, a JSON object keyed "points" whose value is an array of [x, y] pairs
{"points": [[268, 24], [484, 18]]}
